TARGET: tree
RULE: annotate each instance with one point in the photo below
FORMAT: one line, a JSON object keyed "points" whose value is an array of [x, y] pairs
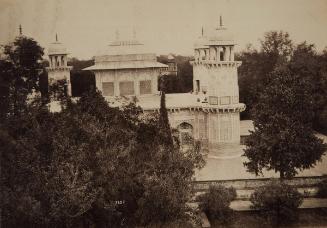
{"points": [[215, 203], [321, 123], [275, 51], [92, 164], [283, 139], [19, 73], [312, 67], [278, 46], [164, 125], [277, 202], [250, 73], [81, 80]]}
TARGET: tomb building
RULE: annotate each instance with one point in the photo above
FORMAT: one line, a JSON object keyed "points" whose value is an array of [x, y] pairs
{"points": [[126, 72]]}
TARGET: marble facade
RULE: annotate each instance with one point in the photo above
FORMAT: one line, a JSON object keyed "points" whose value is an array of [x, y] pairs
{"points": [[210, 113]]}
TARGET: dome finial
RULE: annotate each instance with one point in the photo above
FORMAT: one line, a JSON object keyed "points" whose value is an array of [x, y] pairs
{"points": [[221, 21], [202, 31], [20, 30], [56, 37]]}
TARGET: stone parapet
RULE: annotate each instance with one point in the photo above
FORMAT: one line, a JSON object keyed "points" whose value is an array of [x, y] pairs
{"points": [[63, 68], [216, 63]]}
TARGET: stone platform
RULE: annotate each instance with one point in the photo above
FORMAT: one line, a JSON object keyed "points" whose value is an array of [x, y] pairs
{"points": [[226, 163]]}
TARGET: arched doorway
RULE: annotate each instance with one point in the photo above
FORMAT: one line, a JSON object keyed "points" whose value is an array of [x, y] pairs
{"points": [[185, 133]]}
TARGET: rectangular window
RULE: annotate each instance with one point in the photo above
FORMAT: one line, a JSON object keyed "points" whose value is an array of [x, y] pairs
{"points": [[126, 88], [145, 87], [108, 89], [213, 100], [225, 100]]}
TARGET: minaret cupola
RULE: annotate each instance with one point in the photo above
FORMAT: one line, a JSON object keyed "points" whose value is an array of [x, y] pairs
{"points": [[58, 68]]}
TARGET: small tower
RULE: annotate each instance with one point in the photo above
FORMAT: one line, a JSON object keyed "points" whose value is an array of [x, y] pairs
{"points": [[215, 78], [215, 71], [58, 69]]}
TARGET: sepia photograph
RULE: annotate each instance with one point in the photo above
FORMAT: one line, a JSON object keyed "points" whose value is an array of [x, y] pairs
{"points": [[163, 113]]}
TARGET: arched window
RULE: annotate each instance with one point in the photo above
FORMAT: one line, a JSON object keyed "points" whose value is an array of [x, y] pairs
{"points": [[185, 133]]}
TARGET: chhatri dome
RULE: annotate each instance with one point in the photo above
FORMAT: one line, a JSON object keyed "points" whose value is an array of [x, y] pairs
{"points": [[219, 35], [125, 47], [121, 46], [125, 54], [57, 48]]}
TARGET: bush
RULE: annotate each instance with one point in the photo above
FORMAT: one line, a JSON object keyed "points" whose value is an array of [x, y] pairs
{"points": [[215, 203], [278, 202], [322, 189]]}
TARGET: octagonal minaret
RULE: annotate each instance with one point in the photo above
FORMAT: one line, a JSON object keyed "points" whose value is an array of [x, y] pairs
{"points": [[214, 67], [58, 68], [215, 78]]}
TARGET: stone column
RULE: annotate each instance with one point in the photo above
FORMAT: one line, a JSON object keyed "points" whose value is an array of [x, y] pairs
{"points": [[228, 54], [213, 54], [196, 55], [225, 53], [202, 53], [207, 54], [116, 85], [218, 54], [232, 53]]}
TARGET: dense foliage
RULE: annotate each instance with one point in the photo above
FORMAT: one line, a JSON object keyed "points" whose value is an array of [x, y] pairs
{"points": [[278, 202], [91, 165], [283, 139], [215, 203], [81, 80], [74, 166], [277, 49], [285, 105], [19, 74]]}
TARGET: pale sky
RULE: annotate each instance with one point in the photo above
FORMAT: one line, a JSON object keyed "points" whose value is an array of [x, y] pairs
{"points": [[165, 26]]}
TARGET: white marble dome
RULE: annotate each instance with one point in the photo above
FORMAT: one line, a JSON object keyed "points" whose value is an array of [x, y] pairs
{"points": [[57, 48], [201, 42], [124, 47], [220, 34]]}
